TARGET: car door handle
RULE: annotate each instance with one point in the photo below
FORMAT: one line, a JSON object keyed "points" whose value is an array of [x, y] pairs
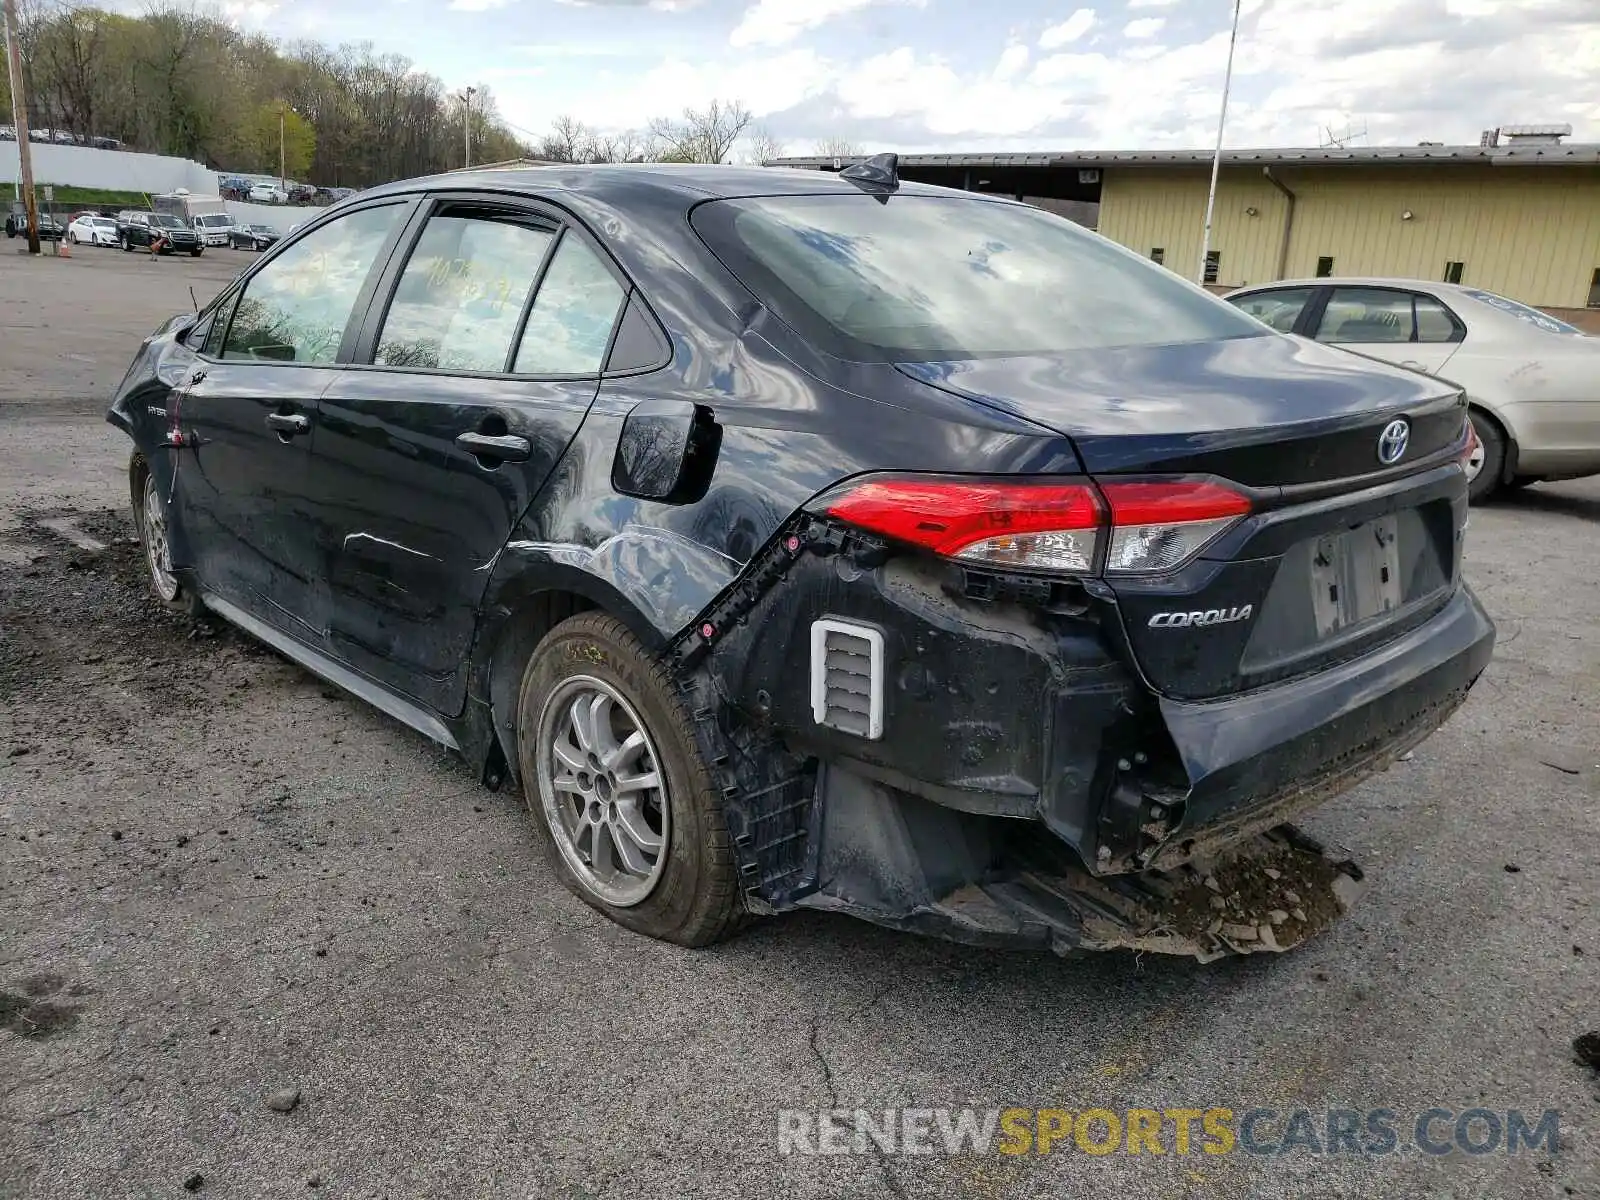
{"points": [[292, 424], [506, 447]]}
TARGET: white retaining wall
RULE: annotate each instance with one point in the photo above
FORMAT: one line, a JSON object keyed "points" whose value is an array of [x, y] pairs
{"points": [[122, 170], [125, 171]]}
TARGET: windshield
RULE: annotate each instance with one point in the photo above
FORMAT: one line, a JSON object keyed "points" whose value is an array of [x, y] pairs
{"points": [[1539, 320], [166, 222], [932, 278], [211, 219]]}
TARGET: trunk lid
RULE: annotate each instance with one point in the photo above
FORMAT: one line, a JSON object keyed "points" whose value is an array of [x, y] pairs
{"points": [[1262, 411], [1343, 550]]}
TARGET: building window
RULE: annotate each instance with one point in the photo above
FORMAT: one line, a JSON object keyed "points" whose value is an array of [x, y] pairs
{"points": [[1324, 267], [1213, 264], [1594, 289], [1158, 255], [1452, 271]]}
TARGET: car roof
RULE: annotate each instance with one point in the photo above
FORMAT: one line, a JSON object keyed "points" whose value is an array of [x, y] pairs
{"points": [[1424, 285], [691, 182]]}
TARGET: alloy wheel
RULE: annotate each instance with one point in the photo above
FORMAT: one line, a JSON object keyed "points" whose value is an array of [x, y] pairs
{"points": [[157, 549], [1475, 461], [603, 791]]}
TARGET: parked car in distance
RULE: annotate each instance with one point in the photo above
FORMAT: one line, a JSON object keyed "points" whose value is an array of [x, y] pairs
{"points": [[253, 237], [142, 229], [93, 229], [8, 133], [267, 193], [1531, 379], [50, 229], [215, 228], [801, 539]]}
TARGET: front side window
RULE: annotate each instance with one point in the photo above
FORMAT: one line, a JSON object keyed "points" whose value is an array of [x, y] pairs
{"points": [[1280, 309], [570, 325], [220, 317], [927, 278], [1366, 315], [462, 293], [295, 308]]}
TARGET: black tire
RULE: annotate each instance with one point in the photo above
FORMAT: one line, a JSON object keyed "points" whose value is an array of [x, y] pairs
{"points": [[127, 244], [696, 900], [195, 253], [183, 598], [1494, 458]]}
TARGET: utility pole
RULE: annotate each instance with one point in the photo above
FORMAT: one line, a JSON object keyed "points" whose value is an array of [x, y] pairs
{"points": [[466, 102], [19, 119], [1216, 160], [283, 184]]}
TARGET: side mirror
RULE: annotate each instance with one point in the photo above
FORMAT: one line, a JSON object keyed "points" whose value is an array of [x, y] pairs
{"points": [[667, 451]]}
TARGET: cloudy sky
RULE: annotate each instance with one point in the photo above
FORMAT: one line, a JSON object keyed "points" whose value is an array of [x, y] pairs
{"points": [[917, 75]]}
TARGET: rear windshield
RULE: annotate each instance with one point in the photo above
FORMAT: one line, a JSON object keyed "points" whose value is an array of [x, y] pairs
{"points": [[935, 278], [1532, 316]]}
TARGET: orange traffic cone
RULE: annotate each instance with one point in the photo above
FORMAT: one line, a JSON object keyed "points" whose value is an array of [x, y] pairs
{"points": [[64, 246]]}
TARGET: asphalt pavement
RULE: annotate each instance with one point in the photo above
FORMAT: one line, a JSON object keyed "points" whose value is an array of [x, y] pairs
{"points": [[260, 940]]}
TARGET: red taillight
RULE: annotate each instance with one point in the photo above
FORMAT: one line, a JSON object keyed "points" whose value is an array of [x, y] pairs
{"points": [[1473, 442], [1033, 526], [1152, 525], [1160, 525]]}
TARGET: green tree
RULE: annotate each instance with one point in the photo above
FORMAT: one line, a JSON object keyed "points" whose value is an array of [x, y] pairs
{"points": [[299, 140]]}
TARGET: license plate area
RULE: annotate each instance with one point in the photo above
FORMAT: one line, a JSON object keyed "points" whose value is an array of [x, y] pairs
{"points": [[1355, 575]]}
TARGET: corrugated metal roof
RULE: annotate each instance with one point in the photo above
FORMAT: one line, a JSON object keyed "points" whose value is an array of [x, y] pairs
{"points": [[1577, 154]]}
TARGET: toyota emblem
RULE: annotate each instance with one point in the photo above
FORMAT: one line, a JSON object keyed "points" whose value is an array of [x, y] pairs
{"points": [[1392, 442]]}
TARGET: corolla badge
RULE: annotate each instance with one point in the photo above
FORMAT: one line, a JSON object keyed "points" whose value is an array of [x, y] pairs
{"points": [[1209, 616], [1392, 442]]}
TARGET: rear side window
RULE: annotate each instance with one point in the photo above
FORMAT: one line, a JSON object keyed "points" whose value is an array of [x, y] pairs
{"points": [[1366, 315], [462, 293], [570, 325], [1277, 309], [295, 308], [1434, 322], [927, 278]]}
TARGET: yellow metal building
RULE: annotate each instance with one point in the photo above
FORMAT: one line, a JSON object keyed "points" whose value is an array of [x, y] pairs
{"points": [[1531, 232], [1520, 219]]}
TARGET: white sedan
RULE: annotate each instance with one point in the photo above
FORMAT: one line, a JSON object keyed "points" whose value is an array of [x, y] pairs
{"points": [[1533, 381], [95, 231]]}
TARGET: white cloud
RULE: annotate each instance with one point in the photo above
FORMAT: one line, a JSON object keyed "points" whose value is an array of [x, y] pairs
{"points": [[248, 12], [774, 22], [1151, 3], [1070, 30], [764, 84], [476, 5], [1144, 27], [1012, 62]]}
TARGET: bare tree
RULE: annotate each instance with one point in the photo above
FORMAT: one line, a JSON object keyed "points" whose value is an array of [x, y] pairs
{"points": [[569, 141], [703, 136], [837, 147], [763, 147], [623, 147]]}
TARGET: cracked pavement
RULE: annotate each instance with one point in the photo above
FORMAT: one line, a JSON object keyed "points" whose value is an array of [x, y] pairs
{"points": [[220, 878]]}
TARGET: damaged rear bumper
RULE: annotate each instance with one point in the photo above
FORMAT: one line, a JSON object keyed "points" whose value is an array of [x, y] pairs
{"points": [[1027, 785], [904, 863]]}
